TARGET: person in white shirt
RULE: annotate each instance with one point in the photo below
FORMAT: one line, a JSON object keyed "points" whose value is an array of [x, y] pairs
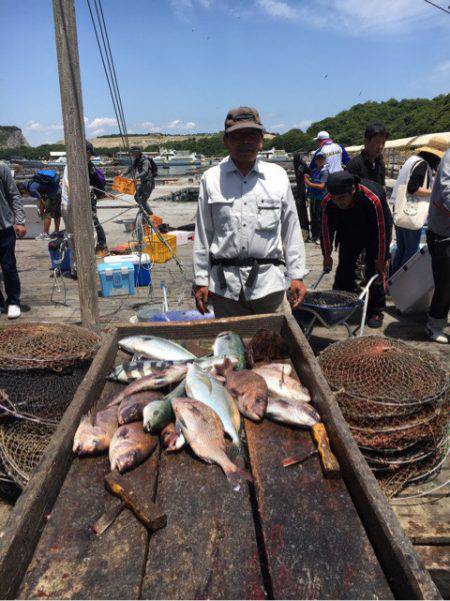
{"points": [[336, 156], [247, 235]]}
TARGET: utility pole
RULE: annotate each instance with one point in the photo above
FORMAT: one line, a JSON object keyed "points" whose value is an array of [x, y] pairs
{"points": [[74, 135]]}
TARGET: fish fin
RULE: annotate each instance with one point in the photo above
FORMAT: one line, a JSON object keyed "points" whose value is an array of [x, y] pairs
{"points": [[235, 450], [235, 474]]}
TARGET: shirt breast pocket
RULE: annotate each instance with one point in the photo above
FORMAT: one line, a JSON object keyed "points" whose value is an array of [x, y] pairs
{"points": [[222, 212], [269, 213]]}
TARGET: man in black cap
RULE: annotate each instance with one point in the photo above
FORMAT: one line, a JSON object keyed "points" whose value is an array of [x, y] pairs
{"points": [[143, 168], [247, 233], [356, 216]]}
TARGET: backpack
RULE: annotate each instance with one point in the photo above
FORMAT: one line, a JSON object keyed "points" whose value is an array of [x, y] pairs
{"points": [[49, 177]]}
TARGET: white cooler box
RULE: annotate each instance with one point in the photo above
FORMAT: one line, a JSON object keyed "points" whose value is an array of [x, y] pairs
{"points": [[33, 221], [412, 286]]}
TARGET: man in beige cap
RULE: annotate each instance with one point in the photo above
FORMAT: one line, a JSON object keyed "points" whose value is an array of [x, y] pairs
{"points": [[247, 235]]}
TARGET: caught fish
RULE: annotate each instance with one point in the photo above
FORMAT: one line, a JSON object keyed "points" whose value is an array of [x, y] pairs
{"points": [[171, 439], [203, 430], [202, 386], [95, 437], [286, 368], [130, 446], [132, 407], [248, 388], [229, 344], [158, 414], [283, 386], [155, 347], [134, 370], [161, 379], [294, 413], [266, 346]]}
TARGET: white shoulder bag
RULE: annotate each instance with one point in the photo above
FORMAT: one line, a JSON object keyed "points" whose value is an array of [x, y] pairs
{"points": [[411, 211]]}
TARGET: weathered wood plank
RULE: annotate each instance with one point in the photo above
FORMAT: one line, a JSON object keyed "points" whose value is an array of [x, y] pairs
{"points": [[22, 531], [316, 545], [427, 523], [437, 561], [70, 561], [406, 574], [208, 549]]}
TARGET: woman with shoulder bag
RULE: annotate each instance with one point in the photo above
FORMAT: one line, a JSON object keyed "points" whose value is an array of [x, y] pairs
{"points": [[411, 197]]}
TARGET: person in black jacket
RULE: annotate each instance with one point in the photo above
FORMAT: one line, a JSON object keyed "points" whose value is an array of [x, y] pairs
{"points": [[356, 216], [369, 164], [301, 169], [143, 168], [97, 185]]}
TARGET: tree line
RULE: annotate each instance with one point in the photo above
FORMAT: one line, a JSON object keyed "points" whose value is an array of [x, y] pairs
{"points": [[402, 118]]}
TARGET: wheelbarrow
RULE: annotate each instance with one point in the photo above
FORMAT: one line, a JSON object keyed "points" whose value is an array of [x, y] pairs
{"points": [[332, 308]]}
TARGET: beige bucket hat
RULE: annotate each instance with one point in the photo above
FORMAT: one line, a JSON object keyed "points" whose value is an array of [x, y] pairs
{"points": [[436, 145]]}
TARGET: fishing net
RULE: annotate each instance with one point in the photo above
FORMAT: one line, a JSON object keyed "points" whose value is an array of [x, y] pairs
{"points": [[41, 366], [22, 444], [396, 401], [45, 346], [331, 298]]}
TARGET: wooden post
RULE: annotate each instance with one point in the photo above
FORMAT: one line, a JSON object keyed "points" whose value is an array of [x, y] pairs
{"points": [[74, 135]]}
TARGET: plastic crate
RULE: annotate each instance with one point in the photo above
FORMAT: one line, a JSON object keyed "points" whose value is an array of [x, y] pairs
{"points": [[116, 278], [123, 184], [157, 251], [145, 315]]}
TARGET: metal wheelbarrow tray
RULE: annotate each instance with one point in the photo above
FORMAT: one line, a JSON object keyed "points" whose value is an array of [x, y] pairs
{"points": [[292, 534]]}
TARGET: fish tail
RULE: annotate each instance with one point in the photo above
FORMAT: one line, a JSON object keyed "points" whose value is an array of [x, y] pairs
{"points": [[235, 474]]}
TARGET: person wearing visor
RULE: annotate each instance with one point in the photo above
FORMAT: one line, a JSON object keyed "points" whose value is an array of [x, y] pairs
{"points": [[144, 169], [247, 232], [356, 217]]}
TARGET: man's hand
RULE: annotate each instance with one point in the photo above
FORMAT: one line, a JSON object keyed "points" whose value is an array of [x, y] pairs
{"points": [[20, 230], [328, 263], [381, 266], [298, 292], [201, 298]]}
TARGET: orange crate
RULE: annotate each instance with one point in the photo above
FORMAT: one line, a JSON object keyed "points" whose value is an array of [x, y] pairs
{"points": [[124, 185], [156, 221], [158, 252]]}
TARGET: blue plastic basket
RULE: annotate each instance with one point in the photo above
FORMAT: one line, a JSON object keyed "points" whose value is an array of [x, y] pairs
{"points": [[190, 315]]}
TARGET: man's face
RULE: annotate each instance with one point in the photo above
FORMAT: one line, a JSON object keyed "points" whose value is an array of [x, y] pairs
{"points": [[244, 144], [343, 201], [375, 146], [135, 155]]}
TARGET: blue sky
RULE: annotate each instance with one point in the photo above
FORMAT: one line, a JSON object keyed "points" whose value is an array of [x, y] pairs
{"points": [[182, 63]]}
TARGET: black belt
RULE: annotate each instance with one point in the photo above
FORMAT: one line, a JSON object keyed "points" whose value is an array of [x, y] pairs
{"points": [[248, 262]]}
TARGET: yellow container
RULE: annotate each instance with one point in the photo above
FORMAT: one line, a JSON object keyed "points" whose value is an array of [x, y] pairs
{"points": [[124, 185], [158, 251]]}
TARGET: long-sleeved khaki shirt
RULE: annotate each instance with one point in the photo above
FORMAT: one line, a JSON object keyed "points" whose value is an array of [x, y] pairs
{"points": [[252, 216]]}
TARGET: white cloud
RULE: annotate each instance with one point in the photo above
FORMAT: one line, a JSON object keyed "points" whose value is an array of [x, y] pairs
{"points": [[303, 125], [358, 17], [278, 9], [174, 124], [35, 126], [276, 126], [190, 125], [96, 132], [443, 67], [101, 122]]}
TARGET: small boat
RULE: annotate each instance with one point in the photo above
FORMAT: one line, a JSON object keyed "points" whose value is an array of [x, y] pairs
{"points": [[184, 157], [274, 155]]}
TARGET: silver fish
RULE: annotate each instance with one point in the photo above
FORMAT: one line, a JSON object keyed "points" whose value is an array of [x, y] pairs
{"points": [[155, 347], [202, 386], [158, 380], [203, 430], [134, 370], [282, 386], [229, 344], [294, 413]]}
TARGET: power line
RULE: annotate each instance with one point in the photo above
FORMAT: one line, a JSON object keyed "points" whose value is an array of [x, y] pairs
{"points": [[445, 10]]}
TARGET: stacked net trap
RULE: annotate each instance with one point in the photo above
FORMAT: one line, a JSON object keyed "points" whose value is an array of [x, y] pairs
{"points": [[396, 401], [41, 367]]}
